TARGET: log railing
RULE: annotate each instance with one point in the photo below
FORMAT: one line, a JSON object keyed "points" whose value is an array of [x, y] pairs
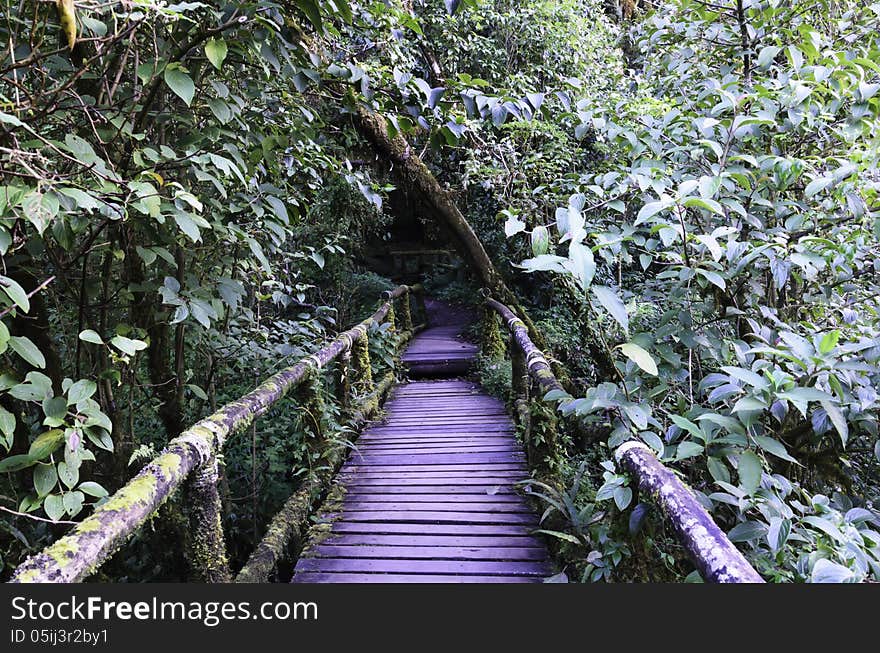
{"points": [[716, 558], [190, 461]]}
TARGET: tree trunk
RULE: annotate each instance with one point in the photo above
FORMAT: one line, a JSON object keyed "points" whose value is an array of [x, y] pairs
{"points": [[417, 178]]}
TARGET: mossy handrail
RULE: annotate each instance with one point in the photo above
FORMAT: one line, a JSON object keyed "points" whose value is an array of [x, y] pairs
{"points": [[191, 457], [715, 556]]}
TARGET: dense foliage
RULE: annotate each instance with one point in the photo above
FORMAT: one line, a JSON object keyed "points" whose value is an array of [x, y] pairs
{"points": [[684, 193]]}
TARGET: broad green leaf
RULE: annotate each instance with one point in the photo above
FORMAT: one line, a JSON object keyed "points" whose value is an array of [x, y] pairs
{"points": [[180, 82], [68, 474], [54, 507], [826, 571], [829, 341], [581, 264], [16, 293], [45, 478], [640, 357], [93, 489], [91, 336], [216, 50], [128, 345], [749, 471], [687, 425], [837, 418], [82, 389], [16, 463], [702, 203], [713, 277], [46, 443], [609, 299], [775, 447], [28, 351]]}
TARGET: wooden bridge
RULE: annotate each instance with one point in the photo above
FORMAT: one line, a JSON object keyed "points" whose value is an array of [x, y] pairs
{"points": [[429, 492]]}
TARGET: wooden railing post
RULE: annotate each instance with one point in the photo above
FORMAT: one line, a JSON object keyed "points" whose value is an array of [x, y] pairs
{"points": [[207, 544], [344, 379], [361, 365], [492, 344], [520, 383], [406, 311]]}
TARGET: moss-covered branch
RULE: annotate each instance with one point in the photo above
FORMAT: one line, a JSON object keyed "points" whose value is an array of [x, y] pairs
{"points": [[79, 553]]}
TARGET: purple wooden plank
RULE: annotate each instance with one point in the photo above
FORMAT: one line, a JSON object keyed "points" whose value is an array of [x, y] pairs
{"points": [[428, 552], [464, 472], [379, 460], [442, 429], [373, 565], [515, 472], [488, 506], [355, 489], [392, 528], [362, 495], [324, 577], [416, 449], [498, 541], [465, 438], [426, 517]]}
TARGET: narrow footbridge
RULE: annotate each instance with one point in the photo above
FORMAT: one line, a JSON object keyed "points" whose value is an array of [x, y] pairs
{"points": [[428, 495], [429, 492]]}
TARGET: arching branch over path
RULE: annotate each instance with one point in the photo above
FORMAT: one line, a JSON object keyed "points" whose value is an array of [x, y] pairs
{"points": [[408, 167]]}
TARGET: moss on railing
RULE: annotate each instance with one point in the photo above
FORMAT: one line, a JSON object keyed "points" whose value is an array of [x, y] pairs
{"points": [[192, 455], [714, 555]]}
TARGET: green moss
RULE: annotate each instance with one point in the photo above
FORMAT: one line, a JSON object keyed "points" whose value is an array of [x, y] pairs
{"points": [[169, 463], [493, 347], [89, 526], [63, 551], [140, 490]]}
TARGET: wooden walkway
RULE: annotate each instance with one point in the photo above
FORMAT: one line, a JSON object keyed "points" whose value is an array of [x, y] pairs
{"points": [[429, 492]]}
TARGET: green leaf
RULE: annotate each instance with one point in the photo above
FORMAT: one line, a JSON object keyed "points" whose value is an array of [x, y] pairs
{"points": [[188, 226], [127, 345], [568, 537], [688, 450], [91, 336], [93, 489], [216, 51], [46, 443], [688, 426], [56, 408], [837, 418], [775, 447], [826, 571], [16, 293], [16, 463], [73, 503], [68, 474], [749, 471], [640, 357], [747, 531], [622, 497], [45, 478], [818, 185], [829, 341], [82, 389], [581, 264], [767, 54], [310, 9], [28, 351], [609, 299], [713, 277], [702, 203], [7, 424], [54, 507], [180, 82]]}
